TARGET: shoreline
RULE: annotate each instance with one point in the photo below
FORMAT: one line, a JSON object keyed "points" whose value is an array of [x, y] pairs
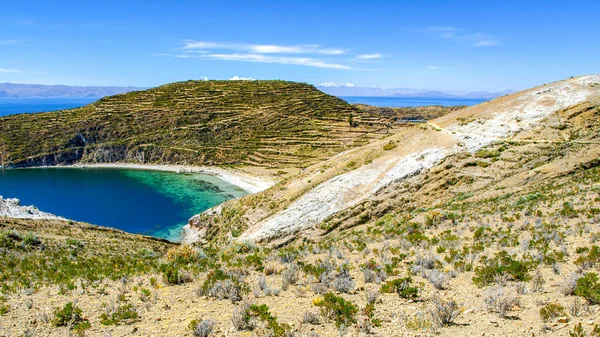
{"points": [[248, 183]]}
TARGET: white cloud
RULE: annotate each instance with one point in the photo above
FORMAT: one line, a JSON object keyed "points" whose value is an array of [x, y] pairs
{"points": [[473, 39], [433, 68], [8, 42], [237, 78], [8, 71], [258, 58], [369, 56], [263, 48], [335, 85], [203, 78], [485, 43]]}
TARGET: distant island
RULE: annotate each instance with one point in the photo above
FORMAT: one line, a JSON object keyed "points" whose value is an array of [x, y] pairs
{"points": [[40, 90]]}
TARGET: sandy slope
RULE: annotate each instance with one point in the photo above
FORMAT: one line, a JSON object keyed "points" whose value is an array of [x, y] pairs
{"points": [[469, 129]]}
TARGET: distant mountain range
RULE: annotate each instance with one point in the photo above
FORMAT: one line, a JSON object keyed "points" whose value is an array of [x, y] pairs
{"points": [[40, 90], [349, 90]]}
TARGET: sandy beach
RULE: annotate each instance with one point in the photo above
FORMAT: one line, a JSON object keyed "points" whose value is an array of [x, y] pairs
{"points": [[250, 184]]}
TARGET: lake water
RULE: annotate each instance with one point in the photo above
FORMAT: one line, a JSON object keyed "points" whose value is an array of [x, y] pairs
{"points": [[390, 101], [11, 106], [137, 201]]}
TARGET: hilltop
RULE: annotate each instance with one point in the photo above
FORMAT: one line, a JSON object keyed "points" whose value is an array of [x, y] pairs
{"points": [[483, 220], [267, 124]]}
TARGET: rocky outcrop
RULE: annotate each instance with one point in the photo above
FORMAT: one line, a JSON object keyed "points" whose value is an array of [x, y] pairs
{"points": [[12, 208]]}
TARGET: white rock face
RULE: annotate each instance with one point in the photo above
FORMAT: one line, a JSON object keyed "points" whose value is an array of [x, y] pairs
{"points": [[343, 191], [493, 121], [12, 208], [524, 112]]}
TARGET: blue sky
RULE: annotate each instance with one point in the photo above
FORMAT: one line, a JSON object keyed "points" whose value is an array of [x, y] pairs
{"points": [[446, 45]]}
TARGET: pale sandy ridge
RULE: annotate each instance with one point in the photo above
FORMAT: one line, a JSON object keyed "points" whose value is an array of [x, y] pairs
{"points": [[490, 122], [248, 183]]}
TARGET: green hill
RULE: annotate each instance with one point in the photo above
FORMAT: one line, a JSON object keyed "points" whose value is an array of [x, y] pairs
{"points": [[272, 124]]}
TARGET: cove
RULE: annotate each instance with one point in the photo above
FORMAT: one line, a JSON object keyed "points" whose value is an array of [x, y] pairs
{"points": [[155, 203]]}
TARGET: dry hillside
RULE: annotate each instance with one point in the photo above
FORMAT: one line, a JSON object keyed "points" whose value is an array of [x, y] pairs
{"points": [[483, 222]]}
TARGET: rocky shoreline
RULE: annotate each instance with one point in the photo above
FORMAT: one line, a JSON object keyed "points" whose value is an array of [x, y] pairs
{"points": [[11, 207]]}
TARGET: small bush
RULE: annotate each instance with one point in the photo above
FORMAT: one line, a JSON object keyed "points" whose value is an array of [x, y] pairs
{"points": [[241, 317], [311, 318], [578, 331], [125, 314], [443, 312], [262, 312], [183, 254], [568, 285], [402, 287], [343, 312], [69, 314], [174, 274], [551, 311], [502, 264], [588, 287], [344, 282], [372, 296], [389, 146], [437, 278], [290, 275], [203, 328], [497, 301], [223, 285]]}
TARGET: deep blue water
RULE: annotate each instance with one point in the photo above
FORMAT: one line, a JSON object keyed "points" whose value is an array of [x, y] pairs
{"points": [[137, 201], [11, 106], [390, 101]]}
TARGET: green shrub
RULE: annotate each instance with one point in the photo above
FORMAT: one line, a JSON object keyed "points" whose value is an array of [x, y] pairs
{"points": [[70, 315], [485, 153], [578, 331], [262, 312], [343, 312], [551, 311], [174, 274], [389, 146], [126, 314], [588, 287], [592, 258], [501, 264], [402, 287]]}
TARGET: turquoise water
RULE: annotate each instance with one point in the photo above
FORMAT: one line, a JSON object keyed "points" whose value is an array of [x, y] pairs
{"points": [[138, 201], [391, 101], [17, 105]]}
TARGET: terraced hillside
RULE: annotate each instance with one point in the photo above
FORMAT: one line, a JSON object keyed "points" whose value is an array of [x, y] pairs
{"points": [[273, 124]]}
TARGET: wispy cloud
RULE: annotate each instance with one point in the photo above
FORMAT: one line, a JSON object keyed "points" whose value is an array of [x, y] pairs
{"points": [[369, 56], [258, 58], [485, 43], [308, 55], [263, 48], [8, 42], [471, 39], [9, 71]]}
